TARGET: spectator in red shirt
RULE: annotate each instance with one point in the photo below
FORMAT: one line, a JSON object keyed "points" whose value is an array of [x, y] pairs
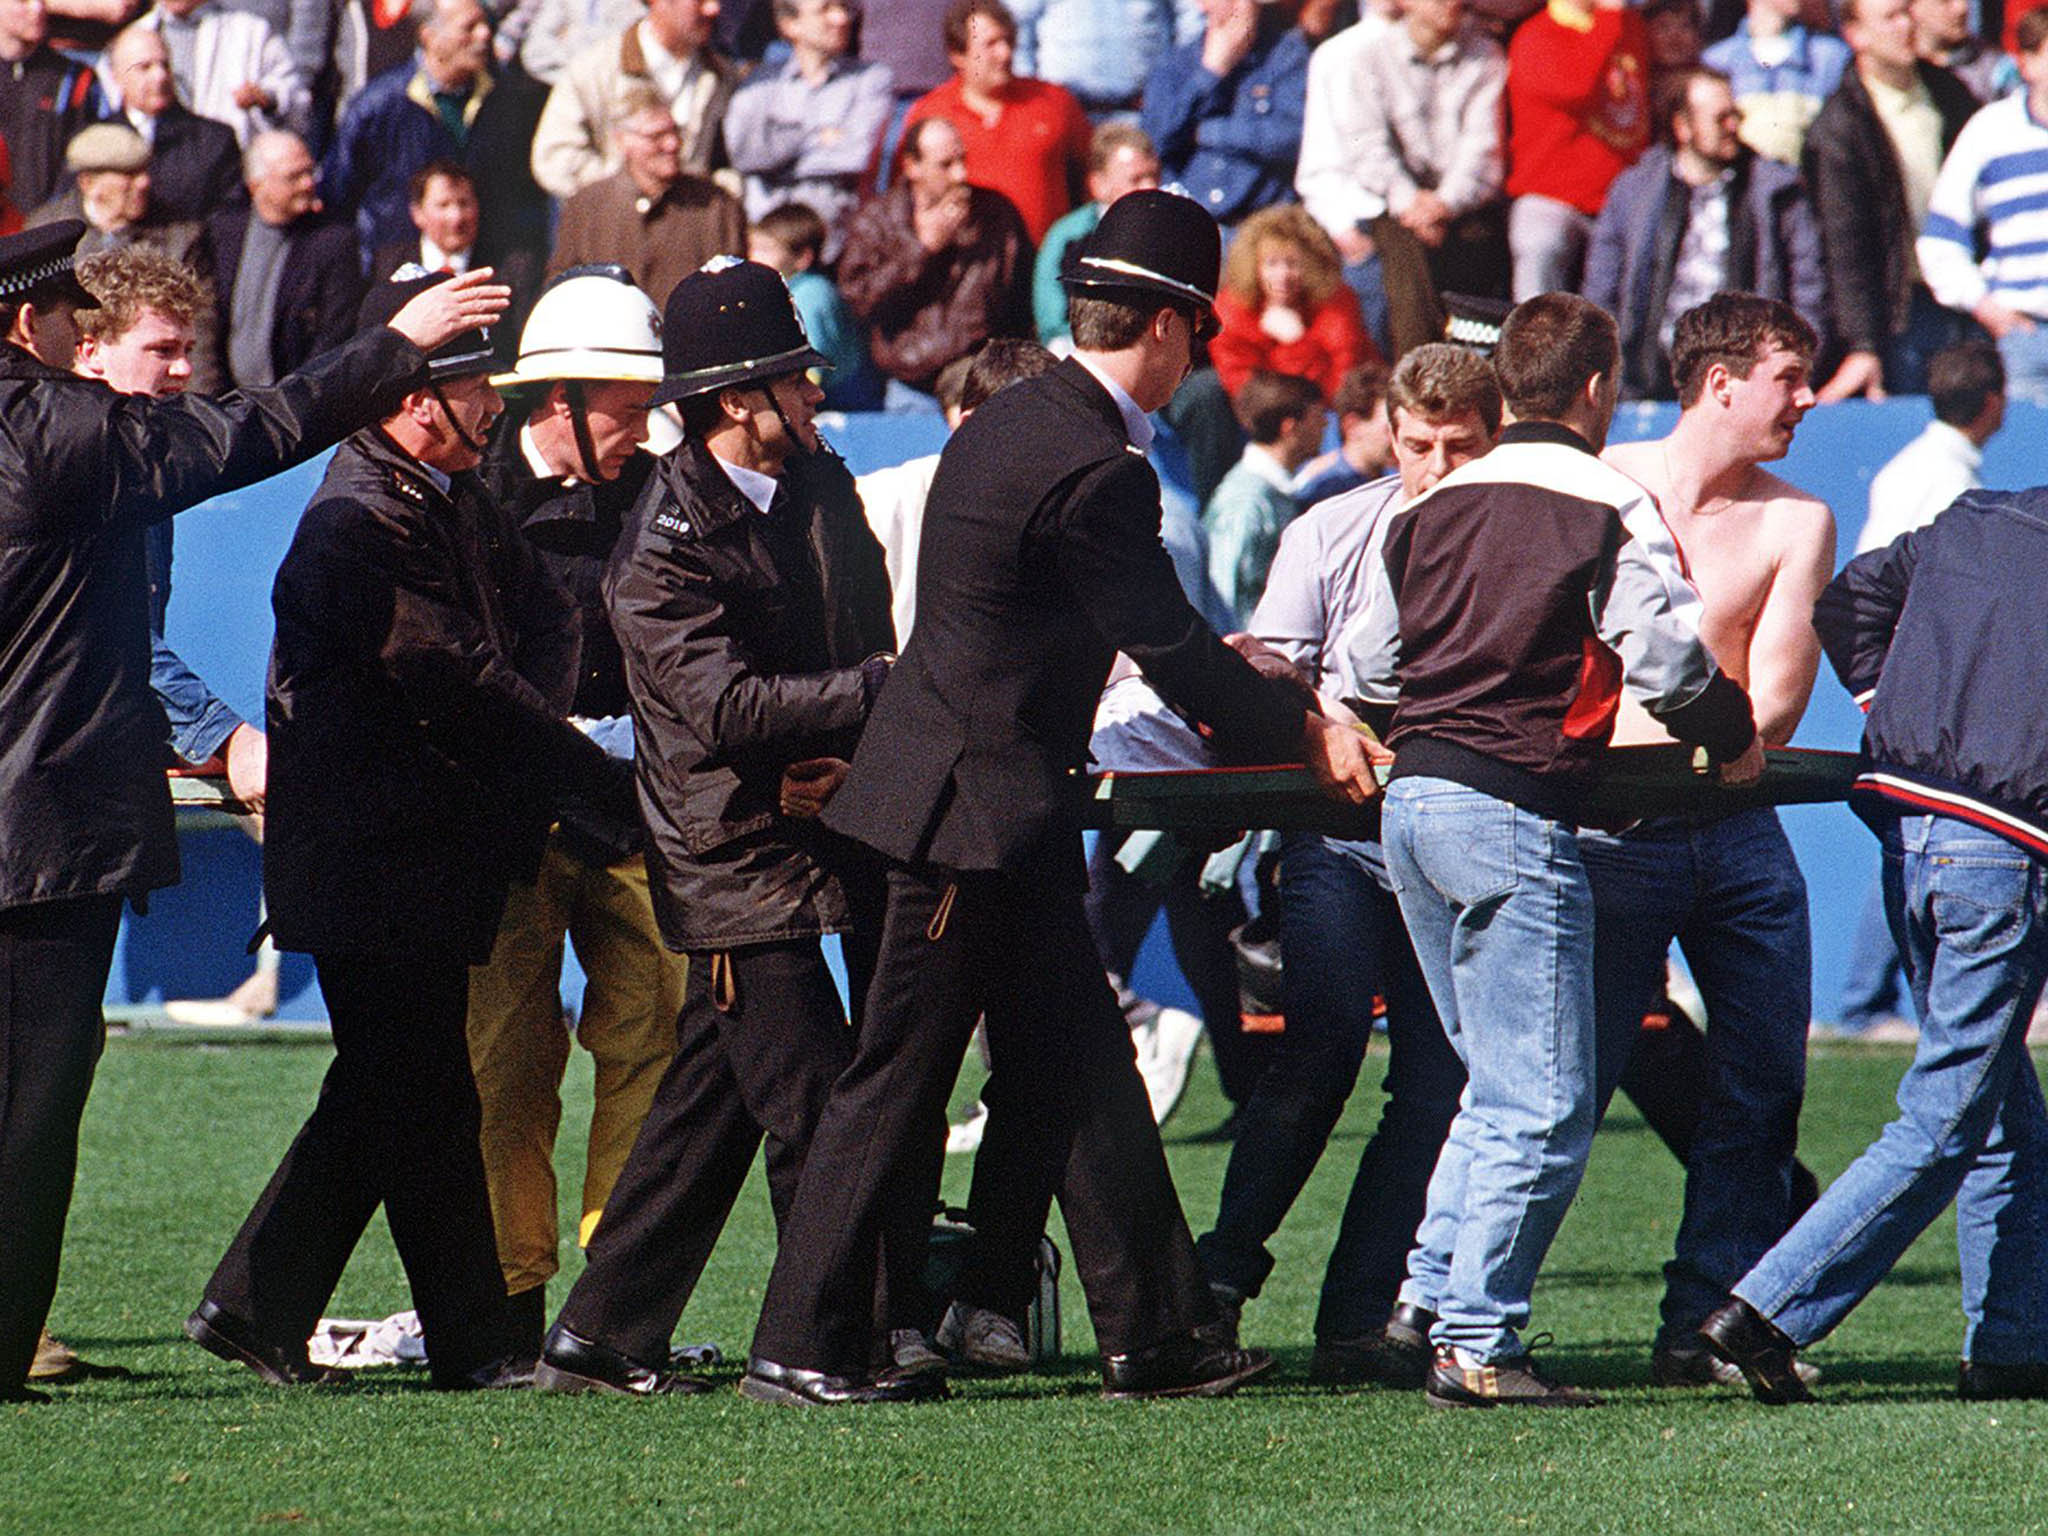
{"points": [[1283, 306], [1578, 115], [1027, 139]]}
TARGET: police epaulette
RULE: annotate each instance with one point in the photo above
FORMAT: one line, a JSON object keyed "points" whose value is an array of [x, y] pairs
{"points": [[409, 488], [670, 520]]}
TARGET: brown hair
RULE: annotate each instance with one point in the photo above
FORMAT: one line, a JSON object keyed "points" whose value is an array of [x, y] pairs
{"points": [[1322, 268], [1000, 361], [962, 12], [1962, 379], [1438, 381], [2031, 31], [1268, 401], [134, 279], [1673, 92], [1734, 330], [1110, 137], [1550, 348]]}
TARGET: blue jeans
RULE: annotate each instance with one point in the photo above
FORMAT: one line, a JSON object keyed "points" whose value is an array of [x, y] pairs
{"points": [[1970, 912], [1729, 891], [1497, 903], [1342, 938], [1871, 984]]}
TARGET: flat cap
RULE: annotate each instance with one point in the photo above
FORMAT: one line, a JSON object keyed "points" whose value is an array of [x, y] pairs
{"points": [[107, 147]]}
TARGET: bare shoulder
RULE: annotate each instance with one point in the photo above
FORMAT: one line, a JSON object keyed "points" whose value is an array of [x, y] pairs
{"points": [[1800, 519]]}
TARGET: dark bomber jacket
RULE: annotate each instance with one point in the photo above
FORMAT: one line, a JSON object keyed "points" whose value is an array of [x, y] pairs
{"points": [[1517, 599]]}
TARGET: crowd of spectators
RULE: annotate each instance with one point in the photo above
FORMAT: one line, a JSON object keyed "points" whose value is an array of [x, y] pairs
{"points": [[920, 169]]}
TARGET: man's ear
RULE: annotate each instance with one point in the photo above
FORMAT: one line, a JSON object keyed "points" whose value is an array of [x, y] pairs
{"points": [[89, 356]]}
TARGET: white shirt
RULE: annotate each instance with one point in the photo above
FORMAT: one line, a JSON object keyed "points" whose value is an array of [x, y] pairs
{"points": [[1137, 425], [1920, 481], [894, 500], [755, 486]]}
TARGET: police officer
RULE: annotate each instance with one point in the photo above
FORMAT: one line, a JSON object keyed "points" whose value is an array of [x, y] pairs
{"points": [[1041, 559], [752, 605], [418, 746], [85, 816], [565, 466]]}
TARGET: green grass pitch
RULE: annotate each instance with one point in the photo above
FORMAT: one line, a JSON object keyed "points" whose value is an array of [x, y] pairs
{"points": [[179, 1137]]}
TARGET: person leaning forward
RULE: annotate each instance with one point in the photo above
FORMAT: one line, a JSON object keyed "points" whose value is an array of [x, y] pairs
{"points": [[752, 606], [418, 750], [85, 816], [1041, 559]]}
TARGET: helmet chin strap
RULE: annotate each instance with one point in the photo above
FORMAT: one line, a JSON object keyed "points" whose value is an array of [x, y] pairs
{"points": [[799, 448], [454, 422], [579, 422]]}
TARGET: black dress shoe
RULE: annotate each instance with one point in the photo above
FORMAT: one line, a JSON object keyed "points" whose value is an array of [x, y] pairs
{"points": [[1183, 1366], [1983, 1381], [1754, 1345], [1408, 1328], [234, 1339], [572, 1363], [507, 1373], [767, 1382], [22, 1394]]}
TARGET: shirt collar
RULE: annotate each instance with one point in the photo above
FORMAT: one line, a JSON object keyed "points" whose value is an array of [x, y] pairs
{"points": [[1137, 425], [1957, 442], [755, 486], [441, 478], [1260, 461], [433, 258], [1542, 432]]}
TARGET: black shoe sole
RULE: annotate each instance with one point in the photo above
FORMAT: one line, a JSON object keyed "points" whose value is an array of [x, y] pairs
{"points": [[1221, 1386], [548, 1377], [216, 1343], [761, 1390]]}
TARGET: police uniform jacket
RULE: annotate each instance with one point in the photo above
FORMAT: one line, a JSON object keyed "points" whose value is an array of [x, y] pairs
{"points": [[744, 635], [83, 806], [1041, 560], [418, 685]]}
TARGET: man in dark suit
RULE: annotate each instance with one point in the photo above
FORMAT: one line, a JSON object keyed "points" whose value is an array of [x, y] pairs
{"points": [[195, 163], [286, 277], [1041, 560]]}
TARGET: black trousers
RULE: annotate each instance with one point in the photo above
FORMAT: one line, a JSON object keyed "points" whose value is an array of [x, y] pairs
{"points": [[759, 1042], [54, 959], [396, 1125], [1017, 949]]}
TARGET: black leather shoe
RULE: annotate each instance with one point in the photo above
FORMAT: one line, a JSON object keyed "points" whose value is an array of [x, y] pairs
{"points": [[572, 1363], [507, 1373], [22, 1394], [1183, 1366], [1750, 1342], [1408, 1328], [1374, 1357], [221, 1333], [1983, 1381], [767, 1382]]}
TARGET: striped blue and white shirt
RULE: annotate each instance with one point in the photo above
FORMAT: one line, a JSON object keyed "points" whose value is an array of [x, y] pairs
{"points": [[1996, 175]]}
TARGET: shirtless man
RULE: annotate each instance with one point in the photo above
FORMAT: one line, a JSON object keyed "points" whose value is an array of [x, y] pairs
{"points": [[1759, 551]]}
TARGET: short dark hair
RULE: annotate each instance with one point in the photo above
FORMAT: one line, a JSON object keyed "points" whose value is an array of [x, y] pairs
{"points": [[1672, 94], [2031, 31], [1000, 361], [701, 414], [961, 12], [1734, 330], [1108, 325], [1361, 391], [1962, 379], [912, 147], [1439, 380], [416, 185], [1550, 348], [1267, 401], [798, 227]]}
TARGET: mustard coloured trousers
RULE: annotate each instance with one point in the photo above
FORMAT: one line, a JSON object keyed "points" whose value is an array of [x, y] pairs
{"points": [[519, 1043]]}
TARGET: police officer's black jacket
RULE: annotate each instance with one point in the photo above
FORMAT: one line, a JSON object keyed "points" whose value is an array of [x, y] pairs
{"points": [[1040, 560], [83, 806], [418, 685], [744, 634]]}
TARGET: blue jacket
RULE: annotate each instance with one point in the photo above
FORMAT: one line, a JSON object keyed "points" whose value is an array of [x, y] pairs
{"points": [[391, 129], [1773, 249], [1231, 142], [1935, 635], [201, 721]]}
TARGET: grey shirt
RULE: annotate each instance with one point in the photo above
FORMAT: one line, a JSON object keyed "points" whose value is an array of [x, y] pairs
{"points": [[1320, 582]]}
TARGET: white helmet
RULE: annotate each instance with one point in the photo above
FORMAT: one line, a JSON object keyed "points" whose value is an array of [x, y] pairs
{"points": [[591, 323]]}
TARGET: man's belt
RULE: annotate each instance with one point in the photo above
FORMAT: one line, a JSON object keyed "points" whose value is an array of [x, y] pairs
{"points": [[1635, 783]]}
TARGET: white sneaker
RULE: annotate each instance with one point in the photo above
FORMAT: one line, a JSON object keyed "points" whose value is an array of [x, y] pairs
{"points": [[966, 1136], [986, 1340], [1166, 1050]]}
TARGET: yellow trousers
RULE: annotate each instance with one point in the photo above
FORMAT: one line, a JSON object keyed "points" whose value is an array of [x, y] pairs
{"points": [[519, 1043]]}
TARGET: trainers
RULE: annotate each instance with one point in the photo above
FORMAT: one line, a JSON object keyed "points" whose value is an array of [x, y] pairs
{"points": [[912, 1354], [1748, 1340], [1695, 1365], [987, 1341], [1457, 1380]]}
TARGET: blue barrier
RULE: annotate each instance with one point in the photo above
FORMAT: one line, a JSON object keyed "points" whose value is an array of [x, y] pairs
{"points": [[190, 944]]}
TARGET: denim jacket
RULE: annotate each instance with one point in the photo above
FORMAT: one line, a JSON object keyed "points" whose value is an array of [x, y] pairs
{"points": [[201, 722]]}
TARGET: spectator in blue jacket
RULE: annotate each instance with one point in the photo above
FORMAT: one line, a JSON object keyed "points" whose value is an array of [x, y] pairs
{"points": [[1225, 110], [1101, 50], [1781, 73]]}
